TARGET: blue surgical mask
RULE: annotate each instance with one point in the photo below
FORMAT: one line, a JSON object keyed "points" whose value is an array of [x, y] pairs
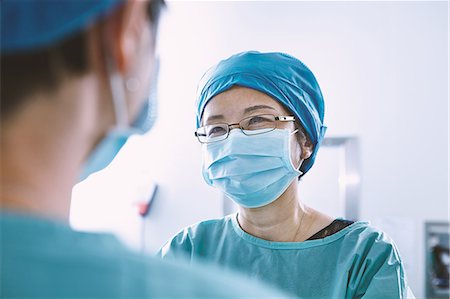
{"points": [[251, 170], [116, 138]]}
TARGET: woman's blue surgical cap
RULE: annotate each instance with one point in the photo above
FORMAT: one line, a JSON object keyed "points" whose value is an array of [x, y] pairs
{"points": [[281, 76]]}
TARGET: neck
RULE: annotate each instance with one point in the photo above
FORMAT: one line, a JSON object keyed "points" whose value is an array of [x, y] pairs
{"points": [[284, 220], [42, 149]]}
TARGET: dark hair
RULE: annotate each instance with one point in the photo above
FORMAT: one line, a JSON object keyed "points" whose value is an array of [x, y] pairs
{"points": [[27, 72]]}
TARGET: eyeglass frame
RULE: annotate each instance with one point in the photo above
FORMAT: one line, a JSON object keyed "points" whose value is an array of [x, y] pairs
{"points": [[282, 118]]}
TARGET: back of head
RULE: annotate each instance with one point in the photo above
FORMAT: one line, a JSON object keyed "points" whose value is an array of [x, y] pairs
{"points": [[42, 43]]}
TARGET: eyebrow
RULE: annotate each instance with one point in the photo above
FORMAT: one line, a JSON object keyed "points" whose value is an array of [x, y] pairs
{"points": [[257, 107], [246, 111]]}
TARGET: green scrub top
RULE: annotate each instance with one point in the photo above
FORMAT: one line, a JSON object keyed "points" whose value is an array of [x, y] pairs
{"points": [[359, 261], [45, 259]]}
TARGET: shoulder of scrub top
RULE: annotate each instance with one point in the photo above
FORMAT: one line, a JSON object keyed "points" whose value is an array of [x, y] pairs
{"points": [[182, 243]]}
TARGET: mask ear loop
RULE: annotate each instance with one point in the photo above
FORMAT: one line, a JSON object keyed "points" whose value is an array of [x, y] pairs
{"points": [[118, 99], [117, 88], [301, 161]]}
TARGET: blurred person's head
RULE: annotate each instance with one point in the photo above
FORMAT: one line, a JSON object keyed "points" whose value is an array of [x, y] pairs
{"points": [[75, 84]]}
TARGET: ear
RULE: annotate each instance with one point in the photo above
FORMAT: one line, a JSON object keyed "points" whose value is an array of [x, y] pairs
{"points": [[307, 148], [124, 30]]}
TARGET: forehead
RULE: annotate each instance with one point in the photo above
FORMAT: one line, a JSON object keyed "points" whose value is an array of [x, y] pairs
{"points": [[234, 104]]}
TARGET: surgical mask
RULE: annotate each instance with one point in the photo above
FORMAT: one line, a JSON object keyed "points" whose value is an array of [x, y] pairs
{"points": [[251, 170], [117, 136]]}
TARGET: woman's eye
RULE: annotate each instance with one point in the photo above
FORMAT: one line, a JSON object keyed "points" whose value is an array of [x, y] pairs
{"points": [[257, 120], [216, 131]]}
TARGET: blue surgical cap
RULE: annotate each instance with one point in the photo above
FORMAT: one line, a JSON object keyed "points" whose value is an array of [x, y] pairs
{"points": [[32, 24], [282, 77]]}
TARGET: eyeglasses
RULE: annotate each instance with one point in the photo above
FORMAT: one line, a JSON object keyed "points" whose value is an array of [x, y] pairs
{"points": [[253, 125]]}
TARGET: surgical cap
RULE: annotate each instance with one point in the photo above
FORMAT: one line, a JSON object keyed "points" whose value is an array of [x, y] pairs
{"points": [[32, 24], [282, 77]]}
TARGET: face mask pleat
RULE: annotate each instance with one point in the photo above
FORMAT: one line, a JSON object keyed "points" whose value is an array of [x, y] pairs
{"points": [[243, 182], [264, 196], [241, 167]]}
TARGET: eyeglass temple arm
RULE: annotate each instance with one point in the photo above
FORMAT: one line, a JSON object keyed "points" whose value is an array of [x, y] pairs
{"points": [[285, 118]]}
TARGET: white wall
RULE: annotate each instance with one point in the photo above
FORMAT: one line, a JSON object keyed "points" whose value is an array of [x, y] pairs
{"points": [[383, 69]]}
